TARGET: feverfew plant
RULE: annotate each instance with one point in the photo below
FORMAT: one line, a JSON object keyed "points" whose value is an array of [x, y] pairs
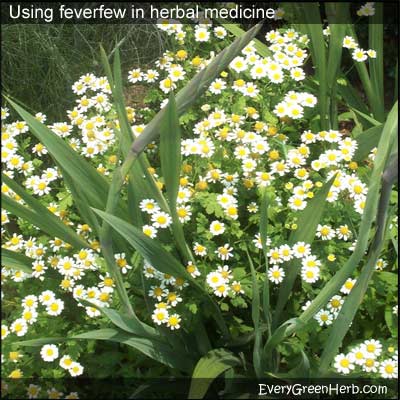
{"points": [[248, 211]]}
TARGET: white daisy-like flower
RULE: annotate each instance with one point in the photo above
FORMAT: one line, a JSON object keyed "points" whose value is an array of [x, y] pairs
{"points": [[348, 285], [359, 355], [217, 228], [160, 316], [199, 249], [236, 288], [324, 317], [55, 307], [161, 219], [344, 363], [149, 206], [335, 304], [372, 347], [389, 369], [276, 274], [215, 279], [75, 369], [325, 232], [301, 250], [222, 290], [201, 34], [173, 321], [193, 270], [149, 231], [49, 352], [310, 275], [224, 252], [19, 327], [359, 55]]}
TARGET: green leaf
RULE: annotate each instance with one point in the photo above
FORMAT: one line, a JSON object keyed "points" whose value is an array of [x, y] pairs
{"points": [[16, 261], [375, 36], [90, 181], [351, 97], [151, 250], [235, 29], [170, 151], [44, 222], [371, 120], [263, 237], [307, 223], [335, 11], [126, 323], [255, 315], [170, 155], [391, 321], [366, 141], [209, 367], [300, 371], [313, 27], [39, 215], [162, 353]]}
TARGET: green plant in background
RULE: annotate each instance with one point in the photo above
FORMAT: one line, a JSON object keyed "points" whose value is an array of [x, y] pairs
{"points": [[45, 59], [280, 331]]}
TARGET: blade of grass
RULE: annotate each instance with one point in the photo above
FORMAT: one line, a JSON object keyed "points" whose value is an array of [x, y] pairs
{"points": [[209, 367], [396, 81], [151, 250], [313, 26], [331, 288], [307, 223], [81, 203], [48, 223], [170, 151], [335, 12], [354, 299], [126, 138], [351, 97], [375, 36], [155, 350], [255, 315], [17, 261], [236, 30], [366, 141], [126, 323], [170, 155], [55, 226], [263, 237], [365, 79], [371, 120]]}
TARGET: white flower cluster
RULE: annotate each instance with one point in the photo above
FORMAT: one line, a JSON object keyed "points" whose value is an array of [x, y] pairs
{"points": [[366, 357]]}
